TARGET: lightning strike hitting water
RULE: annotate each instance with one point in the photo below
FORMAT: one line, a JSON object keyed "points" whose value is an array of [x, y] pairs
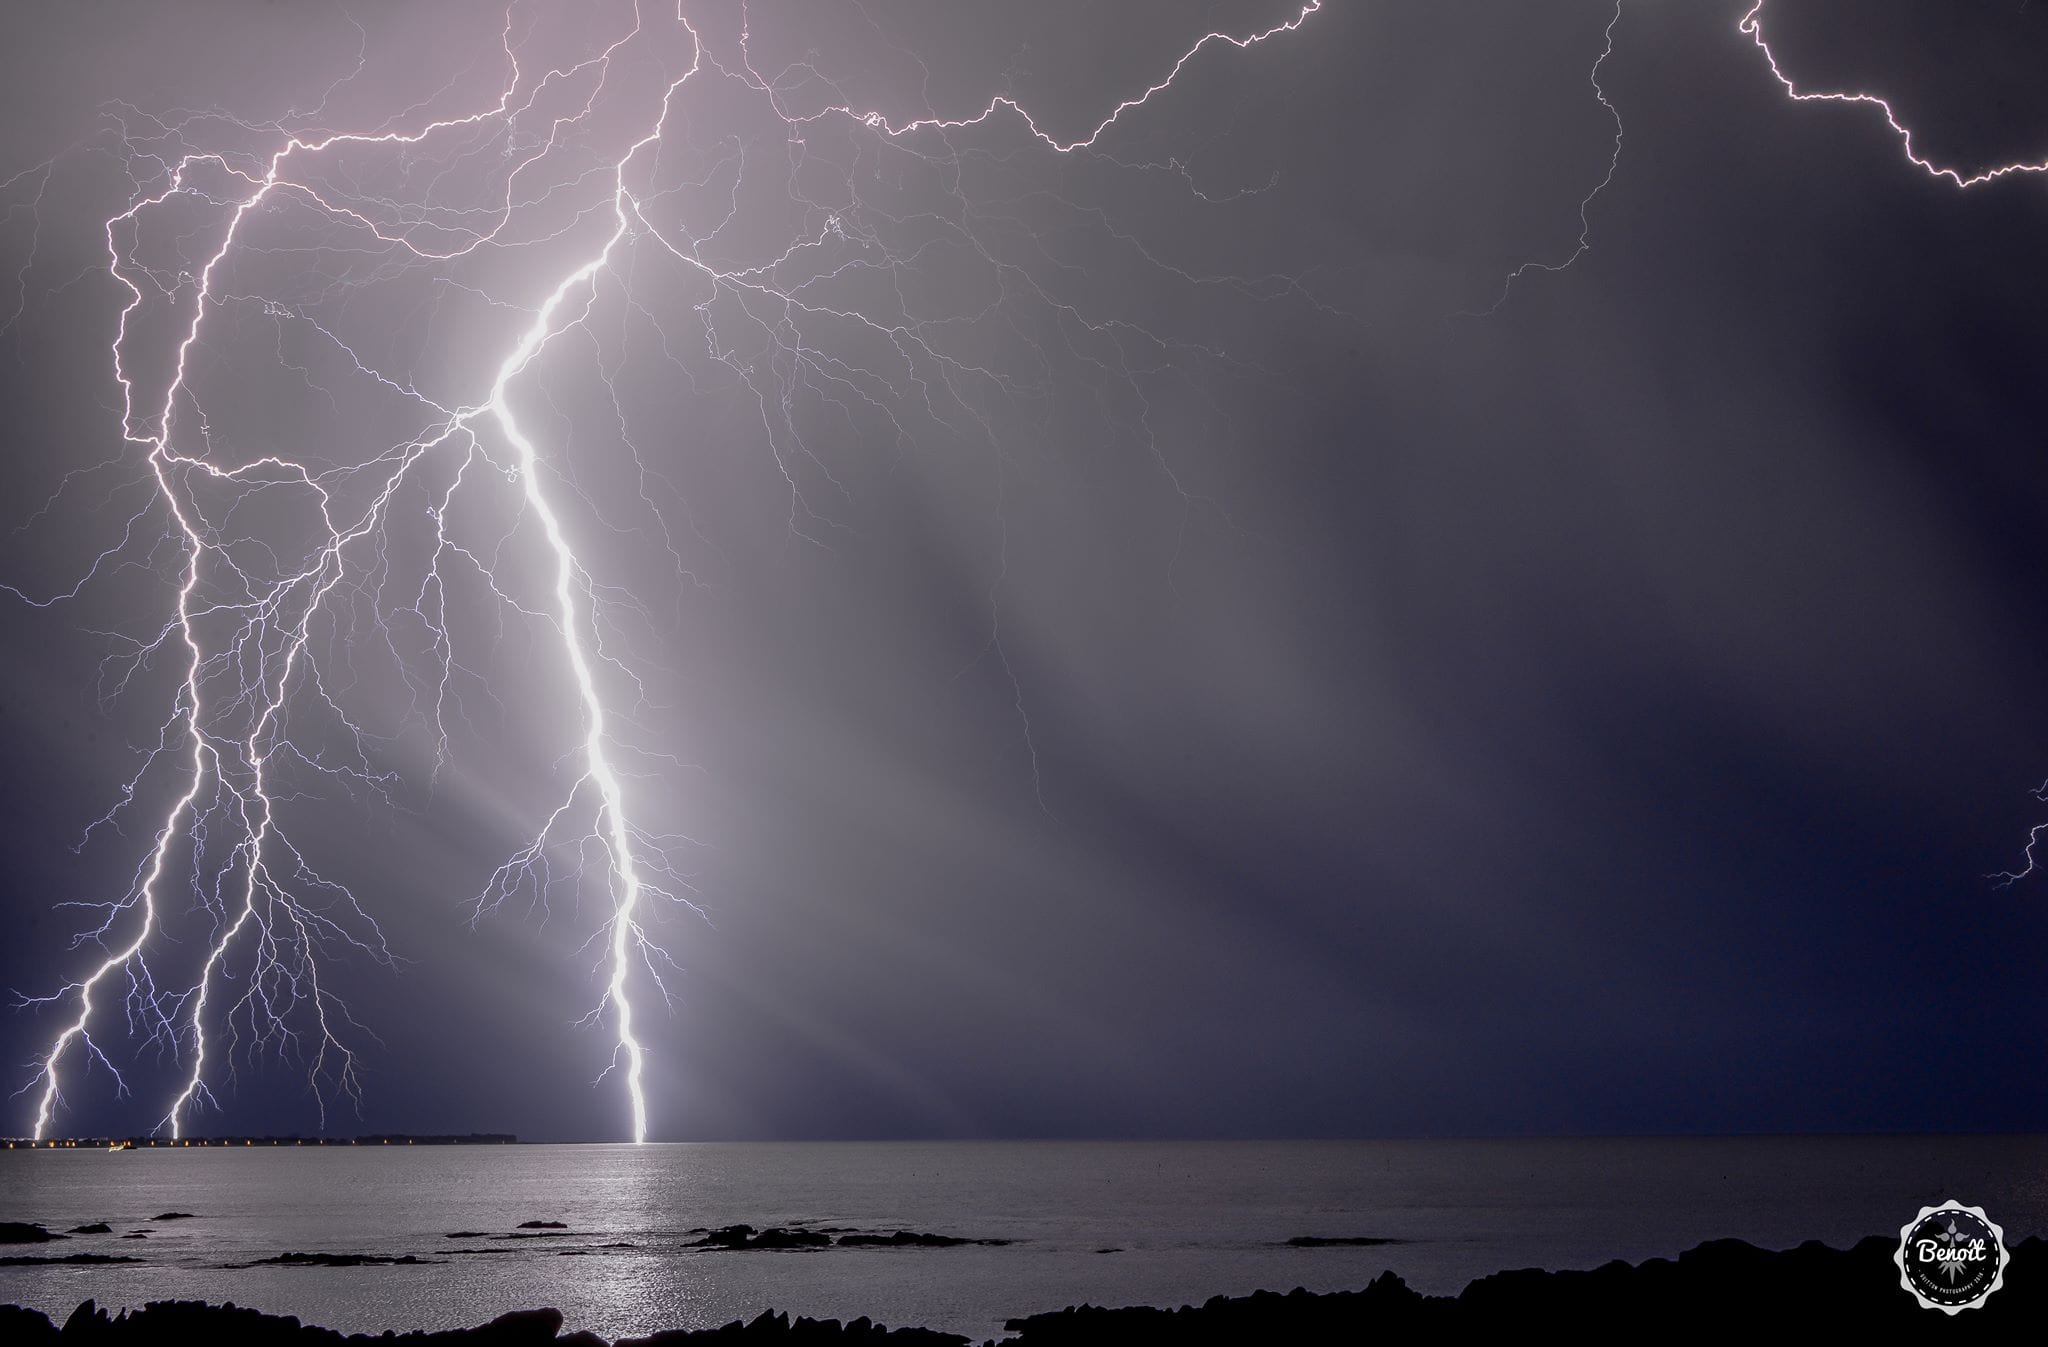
{"points": [[287, 559], [590, 199]]}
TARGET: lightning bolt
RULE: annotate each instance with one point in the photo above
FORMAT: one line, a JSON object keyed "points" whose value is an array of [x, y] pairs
{"points": [[1584, 243], [266, 636], [1752, 27], [249, 636]]}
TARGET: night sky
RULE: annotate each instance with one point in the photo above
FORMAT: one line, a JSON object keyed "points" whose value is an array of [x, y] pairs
{"points": [[1284, 708]]}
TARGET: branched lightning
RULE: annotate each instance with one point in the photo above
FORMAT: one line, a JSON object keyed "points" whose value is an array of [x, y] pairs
{"points": [[1752, 27], [292, 570], [1584, 243], [274, 700], [2030, 860]]}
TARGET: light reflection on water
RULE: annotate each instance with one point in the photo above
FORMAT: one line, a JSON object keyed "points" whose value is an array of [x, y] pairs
{"points": [[1189, 1220]]}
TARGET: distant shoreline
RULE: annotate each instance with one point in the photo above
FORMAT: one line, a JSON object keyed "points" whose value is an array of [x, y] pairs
{"points": [[1724, 1288], [243, 1142]]}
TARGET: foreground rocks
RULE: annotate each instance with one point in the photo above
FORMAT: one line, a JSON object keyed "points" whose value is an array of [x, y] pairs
{"points": [[1719, 1290], [1725, 1290]]}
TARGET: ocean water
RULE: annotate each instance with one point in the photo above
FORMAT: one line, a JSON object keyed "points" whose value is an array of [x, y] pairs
{"points": [[1161, 1223]]}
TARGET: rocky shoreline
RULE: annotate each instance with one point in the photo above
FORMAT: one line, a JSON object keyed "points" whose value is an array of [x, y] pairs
{"points": [[1723, 1287]]}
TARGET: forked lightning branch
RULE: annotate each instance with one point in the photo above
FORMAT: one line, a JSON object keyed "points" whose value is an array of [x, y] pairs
{"points": [[253, 627], [560, 190]]}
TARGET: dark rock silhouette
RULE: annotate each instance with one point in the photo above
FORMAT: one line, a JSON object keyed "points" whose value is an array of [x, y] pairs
{"points": [[1337, 1241], [780, 1329], [541, 1225], [96, 1228], [911, 1239], [789, 1237], [1725, 1290], [25, 1232], [775, 1237], [172, 1216], [341, 1260], [26, 1328], [184, 1321], [1722, 1291], [33, 1260]]}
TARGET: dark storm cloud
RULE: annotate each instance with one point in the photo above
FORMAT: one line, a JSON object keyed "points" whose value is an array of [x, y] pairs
{"points": [[1597, 716]]}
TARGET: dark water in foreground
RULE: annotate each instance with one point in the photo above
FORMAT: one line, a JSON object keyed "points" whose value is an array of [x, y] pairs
{"points": [[1187, 1220]]}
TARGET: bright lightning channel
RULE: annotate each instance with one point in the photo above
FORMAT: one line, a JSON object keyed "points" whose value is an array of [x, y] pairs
{"points": [[275, 619], [1752, 27]]}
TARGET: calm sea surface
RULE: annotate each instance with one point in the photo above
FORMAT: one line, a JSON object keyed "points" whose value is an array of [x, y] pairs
{"points": [[1102, 1222]]}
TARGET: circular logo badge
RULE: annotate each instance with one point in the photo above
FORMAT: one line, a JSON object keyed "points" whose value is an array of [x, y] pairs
{"points": [[1951, 1257]]}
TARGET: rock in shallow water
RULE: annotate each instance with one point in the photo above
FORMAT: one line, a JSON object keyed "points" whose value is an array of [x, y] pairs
{"points": [[25, 1232], [341, 1260], [912, 1239], [775, 1237]]}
